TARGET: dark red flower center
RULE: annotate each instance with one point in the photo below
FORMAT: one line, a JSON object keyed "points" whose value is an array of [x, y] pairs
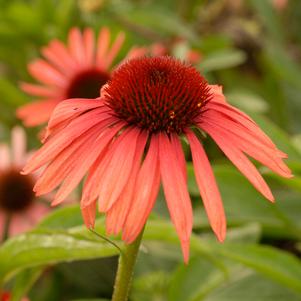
{"points": [[87, 84], [157, 93], [16, 191]]}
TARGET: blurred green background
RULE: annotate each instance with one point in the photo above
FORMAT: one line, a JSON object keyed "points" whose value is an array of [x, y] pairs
{"points": [[253, 49]]}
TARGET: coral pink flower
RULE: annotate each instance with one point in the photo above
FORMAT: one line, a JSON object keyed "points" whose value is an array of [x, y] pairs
{"points": [[128, 142], [77, 70], [17, 200]]}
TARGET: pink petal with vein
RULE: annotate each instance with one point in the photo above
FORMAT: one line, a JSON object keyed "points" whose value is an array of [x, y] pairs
{"points": [[103, 43], [84, 160], [112, 53], [265, 155], [59, 142], [145, 193], [208, 187], [240, 161], [5, 158], [18, 146], [38, 90], [76, 46], [88, 213], [28, 112], [89, 43], [176, 193], [120, 161], [45, 73], [117, 215]]}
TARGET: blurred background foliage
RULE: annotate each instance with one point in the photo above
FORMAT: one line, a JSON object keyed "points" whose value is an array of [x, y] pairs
{"points": [[253, 49]]}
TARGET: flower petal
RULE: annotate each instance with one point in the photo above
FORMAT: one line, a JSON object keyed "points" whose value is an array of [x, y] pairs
{"points": [[76, 46], [118, 163], [248, 144], [59, 142], [5, 159], [117, 215], [18, 146], [46, 73], [84, 160], [71, 108], [89, 44], [28, 112], [102, 47], [240, 161], [207, 186], [112, 53], [176, 193], [145, 193]]}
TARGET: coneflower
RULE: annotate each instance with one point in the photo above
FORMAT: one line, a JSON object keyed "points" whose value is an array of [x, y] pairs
{"points": [[127, 142], [19, 208], [76, 70]]}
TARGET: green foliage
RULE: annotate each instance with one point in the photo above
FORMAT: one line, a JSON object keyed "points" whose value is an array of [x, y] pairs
{"points": [[253, 50]]}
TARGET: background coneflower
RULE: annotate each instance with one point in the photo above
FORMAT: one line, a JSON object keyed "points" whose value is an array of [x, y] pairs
{"points": [[148, 104], [19, 208], [77, 70]]}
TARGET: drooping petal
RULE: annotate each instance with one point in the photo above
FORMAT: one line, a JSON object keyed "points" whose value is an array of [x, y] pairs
{"points": [[145, 192], [28, 112], [72, 108], [76, 46], [112, 53], [18, 146], [176, 193], [240, 161], [60, 50], [102, 47], [239, 130], [88, 213], [116, 216], [59, 142], [248, 144], [5, 159], [61, 166], [219, 111], [84, 161], [38, 90], [46, 74], [180, 154], [207, 186], [89, 43], [118, 162]]}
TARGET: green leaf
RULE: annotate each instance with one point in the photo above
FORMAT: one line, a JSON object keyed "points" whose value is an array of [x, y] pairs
{"points": [[10, 94], [249, 286], [24, 281], [150, 286], [248, 101], [38, 249], [280, 138], [63, 218], [222, 59], [244, 204], [194, 281], [277, 265]]}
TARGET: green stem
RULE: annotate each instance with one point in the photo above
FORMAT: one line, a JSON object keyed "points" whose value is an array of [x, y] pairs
{"points": [[5, 233], [125, 270]]}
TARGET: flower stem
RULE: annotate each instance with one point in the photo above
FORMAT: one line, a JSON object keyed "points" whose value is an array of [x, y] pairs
{"points": [[5, 233], [125, 270]]}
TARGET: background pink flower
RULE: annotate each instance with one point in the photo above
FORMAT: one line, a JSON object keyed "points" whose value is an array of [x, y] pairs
{"points": [[144, 110], [18, 204], [76, 70]]}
